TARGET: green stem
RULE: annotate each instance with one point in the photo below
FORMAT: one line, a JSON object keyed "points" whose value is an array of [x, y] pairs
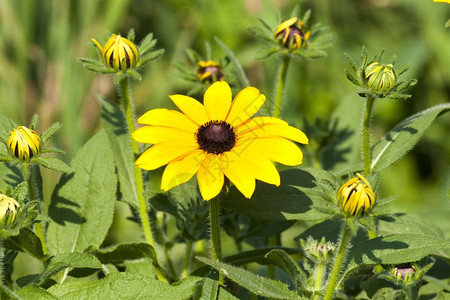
{"points": [[320, 271], [366, 134], [125, 96], [4, 289], [338, 261], [187, 259], [216, 240], [282, 72], [33, 195]]}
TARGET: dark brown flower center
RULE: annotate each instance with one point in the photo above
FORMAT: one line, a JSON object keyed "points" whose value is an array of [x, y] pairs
{"points": [[216, 137], [215, 73], [293, 33]]}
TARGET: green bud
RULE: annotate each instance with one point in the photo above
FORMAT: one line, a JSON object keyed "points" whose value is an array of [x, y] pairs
{"points": [[380, 78], [9, 208]]}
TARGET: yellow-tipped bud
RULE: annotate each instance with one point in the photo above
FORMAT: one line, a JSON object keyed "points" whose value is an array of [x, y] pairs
{"points": [[118, 53], [24, 143], [356, 196], [293, 34], [209, 71], [380, 78], [8, 211]]}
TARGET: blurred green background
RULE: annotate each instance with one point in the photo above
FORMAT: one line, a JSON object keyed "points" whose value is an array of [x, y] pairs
{"points": [[40, 41]]}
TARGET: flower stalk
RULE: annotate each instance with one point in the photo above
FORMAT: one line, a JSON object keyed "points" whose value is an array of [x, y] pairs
{"points": [[281, 82], [216, 240], [338, 262], [370, 100], [127, 103]]}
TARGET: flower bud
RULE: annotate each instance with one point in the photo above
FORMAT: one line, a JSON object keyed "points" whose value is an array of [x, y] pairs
{"points": [[317, 251], [118, 53], [24, 143], [380, 78], [356, 196], [293, 36], [209, 71], [8, 211]]}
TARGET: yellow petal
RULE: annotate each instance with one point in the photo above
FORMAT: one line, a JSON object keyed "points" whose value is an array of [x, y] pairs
{"points": [[217, 100], [261, 167], [275, 149], [276, 130], [246, 103], [191, 108], [181, 170], [257, 122], [168, 118], [160, 154], [210, 177], [159, 134], [285, 25], [238, 172]]}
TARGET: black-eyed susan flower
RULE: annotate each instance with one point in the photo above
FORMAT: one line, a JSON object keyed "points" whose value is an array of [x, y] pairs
{"points": [[118, 52], [209, 71], [443, 1], [380, 78], [293, 33], [356, 196], [24, 143], [218, 139], [9, 208]]}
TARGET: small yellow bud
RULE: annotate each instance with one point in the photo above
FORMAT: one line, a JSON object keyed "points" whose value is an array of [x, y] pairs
{"points": [[293, 36], [8, 211], [24, 143], [118, 53], [209, 71], [380, 78], [356, 196]]}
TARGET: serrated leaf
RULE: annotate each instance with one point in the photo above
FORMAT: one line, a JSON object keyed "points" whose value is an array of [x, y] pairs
{"points": [[53, 163], [83, 202], [127, 251], [286, 202], [283, 261], [403, 137], [33, 292], [394, 249], [187, 286], [27, 242], [70, 260], [116, 286], [115, 126], [258, 285]]}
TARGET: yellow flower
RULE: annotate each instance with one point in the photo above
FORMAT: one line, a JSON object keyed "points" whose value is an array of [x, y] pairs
{"points": [[8, 210], [444, 1], [356, 196], [217, 139], [24, 143], [118, 52], [292, 35], [209, 70], [380, 78]]}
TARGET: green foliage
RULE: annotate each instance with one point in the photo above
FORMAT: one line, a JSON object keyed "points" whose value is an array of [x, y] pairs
{"points": [[83, 202]]}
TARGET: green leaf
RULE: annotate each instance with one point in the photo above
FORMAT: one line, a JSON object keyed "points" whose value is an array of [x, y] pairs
{"points": [[127, 251], [258, 285], [186, 286], [70, 260], [403, 137], [142, 266], [27, 242], [283, 261], [116, 286], [33, 292], [115, 126], [53, 163], [83, 202], [394, 249], [289, 201]]}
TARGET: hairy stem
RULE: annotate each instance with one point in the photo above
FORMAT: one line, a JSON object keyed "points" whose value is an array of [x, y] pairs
{"points": [[366, 134], [338, 261], [125, 97], [216, 240], [282, 72]]}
